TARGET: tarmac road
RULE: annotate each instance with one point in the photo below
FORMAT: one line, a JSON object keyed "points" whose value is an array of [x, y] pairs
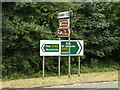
{"points": [[94, 85]]}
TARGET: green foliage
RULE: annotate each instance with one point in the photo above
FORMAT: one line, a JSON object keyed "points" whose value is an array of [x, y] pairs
{"points": [[25, 24]]}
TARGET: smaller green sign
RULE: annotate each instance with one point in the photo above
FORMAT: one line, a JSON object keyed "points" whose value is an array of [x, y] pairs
{"points": [[75, 47], [50, 47]]}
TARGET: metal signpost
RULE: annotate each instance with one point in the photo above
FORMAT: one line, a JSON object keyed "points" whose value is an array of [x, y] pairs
{"points": [[62, 47], [59, 65], [62, 31], [65, 32], [43, 65], [78, 65], [69, 45], [69, 58]]}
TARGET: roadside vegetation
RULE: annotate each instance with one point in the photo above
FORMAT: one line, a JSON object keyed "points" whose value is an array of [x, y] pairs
{"points": [[63, 80], [25, 24]]}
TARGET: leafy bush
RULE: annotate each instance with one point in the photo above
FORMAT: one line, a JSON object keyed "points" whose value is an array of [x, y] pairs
{"points": [[25, 24]]}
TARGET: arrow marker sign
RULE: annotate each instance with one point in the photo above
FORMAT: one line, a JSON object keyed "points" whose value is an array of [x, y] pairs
{"points": [[75, 47], [60, 47], [63, 32], [50, 47]]}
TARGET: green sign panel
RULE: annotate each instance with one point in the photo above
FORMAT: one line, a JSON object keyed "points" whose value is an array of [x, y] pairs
{"points": [[75, 47], [50, 47]]}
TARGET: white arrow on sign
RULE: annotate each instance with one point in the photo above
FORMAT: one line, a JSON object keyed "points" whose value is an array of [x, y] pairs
{"points": [[43, 47], [59, 32], [79, 47]]}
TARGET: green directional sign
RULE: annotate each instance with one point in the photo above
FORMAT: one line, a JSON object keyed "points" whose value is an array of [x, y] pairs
{"points": [[50, 47], [61, 47], [75, 47]]}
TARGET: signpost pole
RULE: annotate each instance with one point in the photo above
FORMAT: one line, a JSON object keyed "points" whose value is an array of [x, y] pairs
{"points": [[59, 65], [43, 65], [69, 41], [79, 66], [69, 57]]}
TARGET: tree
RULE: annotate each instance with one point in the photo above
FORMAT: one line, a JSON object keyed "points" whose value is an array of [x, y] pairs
{"points": [[24, 24]]}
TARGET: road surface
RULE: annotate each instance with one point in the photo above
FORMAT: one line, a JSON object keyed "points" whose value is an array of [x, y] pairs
{"points": [[94, 85]]}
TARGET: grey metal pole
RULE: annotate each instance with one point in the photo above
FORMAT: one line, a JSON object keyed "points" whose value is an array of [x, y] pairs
{"points": [[69, 40], [43, 65], [59, 65], [78, 65], [69, 57]]}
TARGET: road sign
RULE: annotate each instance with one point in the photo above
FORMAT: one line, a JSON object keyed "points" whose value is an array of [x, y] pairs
{"points": [[65, 14], [50, 47], [76, 47], [64, 23], [60, 47], [63, 32]]}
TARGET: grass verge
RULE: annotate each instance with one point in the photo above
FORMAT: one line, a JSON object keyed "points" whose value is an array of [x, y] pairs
{"points": [[38, 82]]}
